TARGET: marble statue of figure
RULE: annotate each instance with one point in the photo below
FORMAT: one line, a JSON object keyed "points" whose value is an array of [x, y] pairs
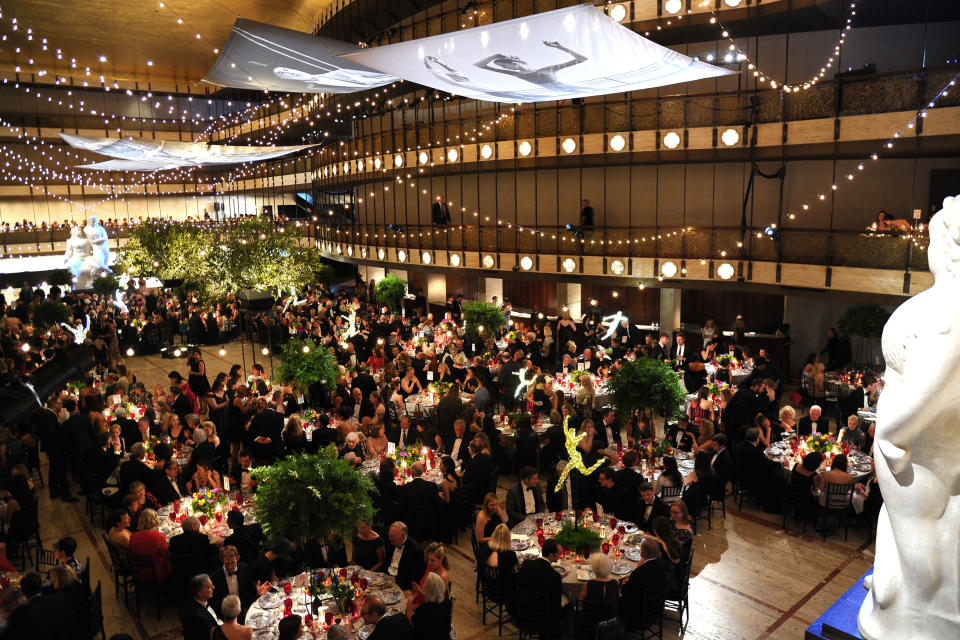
{"points": [[914, 591], [97, 236], [79, 259]]}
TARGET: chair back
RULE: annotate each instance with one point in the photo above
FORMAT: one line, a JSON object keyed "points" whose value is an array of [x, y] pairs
{"points": [[651, 609], [491, 584], [143, 569], [422, 519], [839, 496], [671, 494], [45, 558], [588, 616], [533, 612], [474, 544], [463, 501], [95, 612], [85, 576]]}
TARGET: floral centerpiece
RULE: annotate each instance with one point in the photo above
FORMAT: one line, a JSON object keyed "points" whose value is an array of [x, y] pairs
{"points": [[133, 411], [406, 456], [151, 444], [438, 388], [716, 389], [727, 360], [75, 386], [310, 418], [578, 539], [657, 449], [345, 590], [208, 502], [515, 417], [820, 443]]}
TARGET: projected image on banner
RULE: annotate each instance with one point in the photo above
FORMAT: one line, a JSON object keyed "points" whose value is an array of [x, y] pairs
{"points": [[262, 56], [568, 53]]}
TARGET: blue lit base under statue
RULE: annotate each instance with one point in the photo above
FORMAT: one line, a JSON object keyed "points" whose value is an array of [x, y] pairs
{"points": [[839, 622]]}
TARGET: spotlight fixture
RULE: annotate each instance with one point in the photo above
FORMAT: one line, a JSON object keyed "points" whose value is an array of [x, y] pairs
{"points": [[669, 269], [671, 140], [359, 165], [615, 294], [524, 148], [732, 3], [222, 351], [772, 232], [350, 251], [618, 142], [377, 163], [526, 263], [730, 137], [363, 252], [265, 351], [725, 270], [381, 253], [130, 352], [569, 145]]}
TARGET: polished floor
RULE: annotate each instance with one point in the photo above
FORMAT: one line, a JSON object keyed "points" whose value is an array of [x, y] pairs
{"points": [[751, 578]]}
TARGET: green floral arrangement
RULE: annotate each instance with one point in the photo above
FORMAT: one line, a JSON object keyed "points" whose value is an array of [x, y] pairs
{"points": [[439, 388], [820, 443], [75, 386], [864, 320], [727, 360], [646, 385], [578, 539], [50, 313], [206, 502], [390, 291], [152, 443], [407, 454], [310, 417], [343, 588], [304, 363], [515, 417], [657, 449], [482, 319], [716, 388]]}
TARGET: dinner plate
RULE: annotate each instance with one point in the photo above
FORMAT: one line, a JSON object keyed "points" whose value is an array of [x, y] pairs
{"points": [[633, 540], [560, 569], [628, 527], [267, 633], [260, 620], [391, 596], [621, 568], [524, 528], [518, 544], [270, 601], [686, 464], [633, 553]]}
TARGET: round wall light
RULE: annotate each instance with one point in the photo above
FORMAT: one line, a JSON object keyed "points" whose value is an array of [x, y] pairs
{"points": [[363, 252], [425, 257], [725, 270], [569, 145], [350, 251], [526, 263], [618, 12], [673, 6], [402, 256], [488, 261], [424, 157], [454, 259], [524, 148], [671, 140], [359, 165], [346, 167], [569, 265], [398, 160], [618, 142], [453, 155], [669, 269], [732, 3], [486, 152], [617, 267], [730, 137], [381, 253], [339, 250], [333, 169], [377, 163]]}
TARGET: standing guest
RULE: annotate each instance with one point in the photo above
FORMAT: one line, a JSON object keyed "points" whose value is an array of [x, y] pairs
{"points": [[524, 498], [197, 618], [265, 432]]}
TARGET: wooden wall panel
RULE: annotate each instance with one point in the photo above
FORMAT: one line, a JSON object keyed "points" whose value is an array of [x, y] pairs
{"points": [[539, 295], [468, 286], [642, 306], [761, 312]]}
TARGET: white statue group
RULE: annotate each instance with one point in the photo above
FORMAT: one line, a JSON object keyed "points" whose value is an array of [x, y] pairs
{"points": [[915, 586], [87, 254]]}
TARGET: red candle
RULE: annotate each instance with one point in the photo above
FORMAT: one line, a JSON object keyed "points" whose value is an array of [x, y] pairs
{"points": [[173, 516], [558, 516], [613, 523], [287, 588], [539, 523], [606, 547], [203, 520]]}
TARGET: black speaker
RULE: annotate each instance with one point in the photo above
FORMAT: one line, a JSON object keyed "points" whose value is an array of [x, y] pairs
{"points": [[20, 398]]}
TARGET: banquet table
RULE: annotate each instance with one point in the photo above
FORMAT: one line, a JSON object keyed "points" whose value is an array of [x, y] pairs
{"points": [[736, 375], [266, 612], [435, 475], [216, 531], [574, 569], [860, 464]]}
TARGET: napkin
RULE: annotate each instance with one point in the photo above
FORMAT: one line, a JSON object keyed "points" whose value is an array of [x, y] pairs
{"points": [[584, 574], [516, 536]]}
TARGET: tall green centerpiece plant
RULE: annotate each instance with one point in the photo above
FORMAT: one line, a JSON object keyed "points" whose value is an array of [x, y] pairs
{"points": [[304, 363], [477, 314], [308, 497], [645, 384], [106, 285], [49, 313], [390, 291]]}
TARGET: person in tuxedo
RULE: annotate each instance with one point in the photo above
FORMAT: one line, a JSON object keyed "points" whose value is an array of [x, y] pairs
{"points": [[478, 471], [403, 434], [722, 464], [190, 551], [811, 423], [759, 474], [359, 405], [455, 442], [366, 382], [134, 469], [650, 507], [680, 351], [610, 496], [321, 553], [392, 627], [524, 498], [416, 495], [406, 561], [661, 349], [537, 574], [608, 432], [651, 572], [682, 436], [77, 438], [168, 484], [197, 618], [52, 441], [246, 538], [265, 433], [181, 404], [233, 578], [630, 481]]}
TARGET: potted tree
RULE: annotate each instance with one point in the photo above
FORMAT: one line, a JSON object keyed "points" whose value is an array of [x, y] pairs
{"points": [[645, 384], [390, 291], [865, 322], [304, 364], [482, 320]]}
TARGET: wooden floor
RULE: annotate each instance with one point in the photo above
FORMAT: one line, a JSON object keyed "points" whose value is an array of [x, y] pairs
{"points": [[751, 579]]}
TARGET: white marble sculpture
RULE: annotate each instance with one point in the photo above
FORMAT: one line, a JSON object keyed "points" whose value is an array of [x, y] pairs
{"points": [[87, 254], [915, 588], [97, 236]]}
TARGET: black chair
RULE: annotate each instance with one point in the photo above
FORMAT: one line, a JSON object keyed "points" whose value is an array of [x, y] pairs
{"points": [[671, 494], [696, 496], [533, 615], [121, 568], [494, 598], [147, 583], [839, 498], [593, 619], [462, 510], [63, 629], [797, 503], [45, 558], [476, 560], [85, 576], [679, 600], [718, 494], [648, 616], [492, 481], [23, 535], [33, 463], [95, 615], [97, 504]]}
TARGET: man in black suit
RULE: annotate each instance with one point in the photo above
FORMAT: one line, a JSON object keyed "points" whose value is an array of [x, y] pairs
{"points": [[722, 464], [629, 480], [403, 435], [246, 538], [52, 440], [741, 409], [181, 404], [478, 471], [191, 551], [608, 431], [680, 351], [358, 406], [650, 507], [403, 556], [811, 422], [325, 554], [455, 443], [265, 434], [537, 574], [134, 469], [440, 213], [419, 500], [168, 485], [661, 350], [651, 573], [393, 627], [233, 578], [197, 618], [524, 498], [365, 381], [759, 474], [611, 496], [77, 438]]}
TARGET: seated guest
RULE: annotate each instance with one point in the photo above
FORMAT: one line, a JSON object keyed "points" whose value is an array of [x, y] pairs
{"points": [[290, 628], [192, 542], [682, 529], [489, 517], [338, 632], [478, 469], [811, 424], [293, 437], [455, 443], [233, 578], [650, 574], [405, 561], [435, 558], [392, 627], [197, 618], [681, 436], [168, 486], [670, 552], [612, 499], [204, 478], [759, 474], [63, 550], [118, 528], [323, 553], [368, 549], [836, 475], [602, 592], [148, 541], [376, 443], [650, 507], [852, 435], [498, 553], [352, 445], [134, 469], [430, 613], [247, 538], [524, 498], [804, 474], [272, 562], [138, 500], [231, 629], [63, 581], [669, 478], [537, 574], [451, 479]]}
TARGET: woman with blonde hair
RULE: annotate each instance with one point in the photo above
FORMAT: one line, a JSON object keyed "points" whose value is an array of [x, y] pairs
{"points": [[436, 558], [788, 419], [586, 396], [818, 380], [293, 436], [376, 440], [491, 515]]}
